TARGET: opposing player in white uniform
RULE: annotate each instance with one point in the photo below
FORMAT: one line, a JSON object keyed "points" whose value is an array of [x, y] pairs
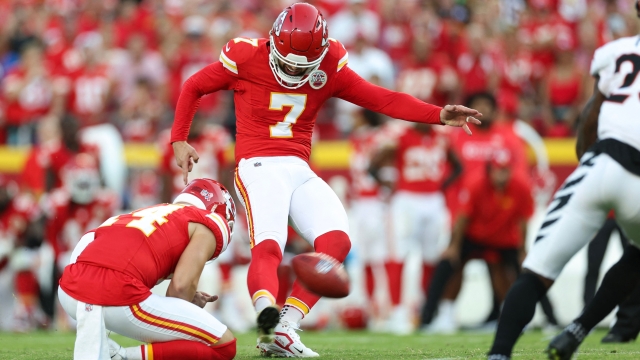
{"points": [[608, 178]]}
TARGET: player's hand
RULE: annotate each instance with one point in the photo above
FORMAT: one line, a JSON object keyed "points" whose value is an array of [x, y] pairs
{"points": [[185, 156], [201, 298], [459, 116]]}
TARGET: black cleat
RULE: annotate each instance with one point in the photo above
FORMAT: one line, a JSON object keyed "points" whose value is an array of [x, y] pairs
{"points": [[268, 318], [612, 338], [563, 346]]}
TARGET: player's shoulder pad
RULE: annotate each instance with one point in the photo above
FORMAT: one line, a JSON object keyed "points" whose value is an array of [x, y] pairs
{"points": [[605, 55], [238, 51], [337, 54]]}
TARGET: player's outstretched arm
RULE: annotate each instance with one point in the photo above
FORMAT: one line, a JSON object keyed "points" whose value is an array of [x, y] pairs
{"points": [[206, 81], [184, 282], [588, 121], [351, 87]]}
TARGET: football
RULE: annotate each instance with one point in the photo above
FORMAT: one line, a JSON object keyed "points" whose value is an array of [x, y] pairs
{"points": [[321, 274]]}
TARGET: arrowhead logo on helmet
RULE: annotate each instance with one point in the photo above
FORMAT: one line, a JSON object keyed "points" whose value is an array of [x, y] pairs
{"points": [[210, 195]]}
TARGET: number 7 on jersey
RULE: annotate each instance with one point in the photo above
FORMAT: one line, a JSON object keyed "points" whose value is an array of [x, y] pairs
{"points": [[278, 101]]}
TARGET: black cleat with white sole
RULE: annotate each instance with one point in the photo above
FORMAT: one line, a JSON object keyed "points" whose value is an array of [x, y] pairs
{"points": [[267, 321], [563, 346]]}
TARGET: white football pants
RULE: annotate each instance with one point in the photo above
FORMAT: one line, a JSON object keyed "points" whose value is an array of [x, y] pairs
{"points": [[280, 189], [580, 207], [418, 221]]}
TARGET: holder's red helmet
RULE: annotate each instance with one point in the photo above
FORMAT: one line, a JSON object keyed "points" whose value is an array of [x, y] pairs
{"points": [[299, 40], [210, 195]]}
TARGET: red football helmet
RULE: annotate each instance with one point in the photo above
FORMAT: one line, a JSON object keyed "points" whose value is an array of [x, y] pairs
{"points": [[81, 178], [210, 195], [299, 41]]}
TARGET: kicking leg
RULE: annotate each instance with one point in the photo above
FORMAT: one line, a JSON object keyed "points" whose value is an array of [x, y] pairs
{"points": [[317, 215], [265, 193]]}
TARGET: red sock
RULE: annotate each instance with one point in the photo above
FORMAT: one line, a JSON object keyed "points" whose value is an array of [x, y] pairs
{"points": [[394, 276], [334, 243], [262, 279], [284, 281], [26, 284], [189, 350], [369, 280], [225, 272], [427, 274]]}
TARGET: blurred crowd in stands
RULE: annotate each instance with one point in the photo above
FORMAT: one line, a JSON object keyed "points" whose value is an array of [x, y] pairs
{"points": [[79, 78], [123, 62]]}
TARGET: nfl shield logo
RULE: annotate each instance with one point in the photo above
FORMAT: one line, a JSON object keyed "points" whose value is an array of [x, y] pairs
{"points": [[206, 194], [317, 79], [88, 307]]}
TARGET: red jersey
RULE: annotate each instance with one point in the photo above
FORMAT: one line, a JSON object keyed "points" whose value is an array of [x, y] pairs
{"points": [[33, 100], [53, 156], [424, 80], [272, 120], [421, 160], [476, 150], [365, 141], [14, 220], [89, 91], [495, 218], [212, 143], [131, 253], [69, 221]]}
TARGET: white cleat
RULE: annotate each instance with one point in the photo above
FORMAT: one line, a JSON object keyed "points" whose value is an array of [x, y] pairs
{"points": [[287, 343], [399, 322], [116, 351], [445, 322]]}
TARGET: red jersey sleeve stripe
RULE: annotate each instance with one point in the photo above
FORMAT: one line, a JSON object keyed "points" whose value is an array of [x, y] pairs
{"points": [[247, 204], [167, 324]]}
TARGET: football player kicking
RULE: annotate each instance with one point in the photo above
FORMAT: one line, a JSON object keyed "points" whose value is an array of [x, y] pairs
{"points": [[279, 85], [113, 267], [608, 178]]}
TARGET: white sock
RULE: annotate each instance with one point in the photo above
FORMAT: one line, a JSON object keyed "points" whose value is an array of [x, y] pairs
{"points": [[134, 353], [291, 313], [262, 303]]}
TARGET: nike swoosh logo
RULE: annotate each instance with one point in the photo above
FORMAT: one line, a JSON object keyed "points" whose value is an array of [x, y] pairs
{"points": [[227, 47], [300, 351]]}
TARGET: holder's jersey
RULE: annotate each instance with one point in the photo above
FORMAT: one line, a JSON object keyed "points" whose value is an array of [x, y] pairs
{"points": [[275, 121], [421, 160], [617, 64], [133, 252]]}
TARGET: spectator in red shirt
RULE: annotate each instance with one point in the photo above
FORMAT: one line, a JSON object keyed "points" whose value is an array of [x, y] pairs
{"points": [[428, 75], [28, 91], [491, 225], [476, 67], [562, 94]]}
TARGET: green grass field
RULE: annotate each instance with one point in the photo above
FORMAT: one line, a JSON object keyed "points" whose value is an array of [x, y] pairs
{"points": [[341, 345]]}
